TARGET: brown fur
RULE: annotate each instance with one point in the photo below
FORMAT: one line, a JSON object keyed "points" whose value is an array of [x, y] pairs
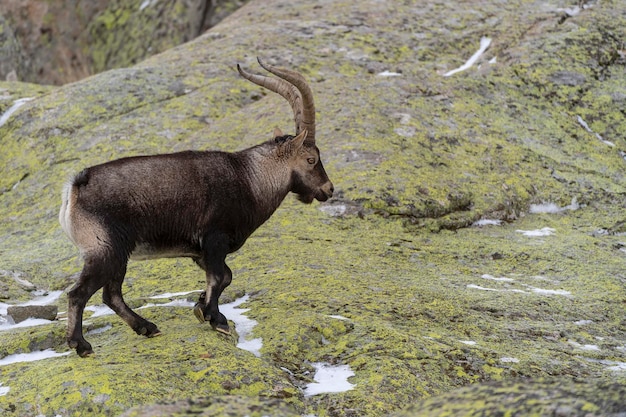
{"points": [[197, 204]]}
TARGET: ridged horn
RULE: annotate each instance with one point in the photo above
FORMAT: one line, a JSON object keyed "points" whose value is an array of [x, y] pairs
{"points": [[293, 87]]}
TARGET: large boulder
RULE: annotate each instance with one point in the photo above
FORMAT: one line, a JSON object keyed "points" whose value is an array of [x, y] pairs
{"points": [[397, 276], [21, 313]]}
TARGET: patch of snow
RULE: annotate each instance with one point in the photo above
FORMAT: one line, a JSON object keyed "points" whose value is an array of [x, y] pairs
{"points": [[7, 323], [338, 317], [478, 287], [405, 131], [173, 294], [549, 292], [553, 208], [493, 60], [583, 322], [16, 105], [612, 365], [4, 390], [468, 342], [329, 379], [583, 347], [99, 330], [104, 310], [31, 357], [484, 44], [389, 74], [487, 222], [544, 208], [546, 231], [146, 3], [173, 303], [502, 279], [570, 11], [535, 290], [243, 324], [334, 210], [615, 366], [10, 325], [99, 310], [44, 300], [509, 360], [588, 129]]}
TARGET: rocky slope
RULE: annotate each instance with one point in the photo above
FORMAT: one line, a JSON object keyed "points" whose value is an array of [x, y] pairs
{"points": [[390, 277]]}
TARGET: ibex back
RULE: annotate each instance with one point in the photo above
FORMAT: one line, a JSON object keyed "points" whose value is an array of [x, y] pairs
{"points": [[197, 204]]}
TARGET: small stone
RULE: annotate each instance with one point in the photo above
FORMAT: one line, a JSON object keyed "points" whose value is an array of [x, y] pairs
{"points": [[568, 78], [21, 313]]}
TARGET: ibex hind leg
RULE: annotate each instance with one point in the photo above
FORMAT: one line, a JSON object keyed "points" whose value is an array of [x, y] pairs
{"points": [[92, 278], [112, 296]]}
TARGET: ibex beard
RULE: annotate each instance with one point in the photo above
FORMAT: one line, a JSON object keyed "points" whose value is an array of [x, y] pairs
{"points": [[197, 204]]}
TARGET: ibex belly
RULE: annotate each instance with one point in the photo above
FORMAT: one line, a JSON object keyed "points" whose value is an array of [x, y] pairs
{"points": [[144, 251]]}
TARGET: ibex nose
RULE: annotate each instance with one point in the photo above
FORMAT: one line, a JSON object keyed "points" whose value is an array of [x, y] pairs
{"points": [[330, 190]]}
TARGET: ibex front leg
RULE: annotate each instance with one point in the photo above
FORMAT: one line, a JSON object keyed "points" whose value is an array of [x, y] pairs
{"points": [[218, 277]]}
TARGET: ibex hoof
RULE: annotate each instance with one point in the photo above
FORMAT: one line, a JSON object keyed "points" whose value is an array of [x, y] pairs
{"points": [[222, 328], [199, 313], [148, 330], [85, 353], [83, 348]]}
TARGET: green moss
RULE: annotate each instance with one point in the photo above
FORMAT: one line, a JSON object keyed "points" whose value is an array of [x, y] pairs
{"points": [[417, 159]]}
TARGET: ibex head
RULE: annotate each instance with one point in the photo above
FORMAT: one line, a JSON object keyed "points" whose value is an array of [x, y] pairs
{"points": [[308, 177]]}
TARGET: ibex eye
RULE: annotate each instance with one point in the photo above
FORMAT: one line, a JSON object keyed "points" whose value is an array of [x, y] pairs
{"points": [[311, 160]]}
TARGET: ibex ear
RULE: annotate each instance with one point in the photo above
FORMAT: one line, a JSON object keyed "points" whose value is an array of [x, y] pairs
{"points": [[298, 141], [292, 147], [278, 132]]}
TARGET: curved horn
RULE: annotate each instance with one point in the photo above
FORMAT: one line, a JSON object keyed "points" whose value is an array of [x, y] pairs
{"points": [[294, 88]]}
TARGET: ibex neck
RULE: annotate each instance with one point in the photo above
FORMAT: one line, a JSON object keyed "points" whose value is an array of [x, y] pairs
{"points": [[269, 177]]}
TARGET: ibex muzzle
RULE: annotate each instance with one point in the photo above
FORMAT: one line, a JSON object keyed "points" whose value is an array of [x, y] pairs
{"points": [[197, 204]]}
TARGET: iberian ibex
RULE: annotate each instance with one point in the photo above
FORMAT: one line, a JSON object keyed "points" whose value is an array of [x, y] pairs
{"points": [[197, 204]]}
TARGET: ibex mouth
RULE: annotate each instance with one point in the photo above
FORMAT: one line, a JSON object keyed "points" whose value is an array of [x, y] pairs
{"points": [[324, 195], [306, 199], [326, 192]]}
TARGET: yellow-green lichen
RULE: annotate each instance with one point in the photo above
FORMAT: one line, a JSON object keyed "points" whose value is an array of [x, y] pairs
{"points": [[399, 287]]}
